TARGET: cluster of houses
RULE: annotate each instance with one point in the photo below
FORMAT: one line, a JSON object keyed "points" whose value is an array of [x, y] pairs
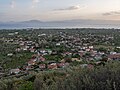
{"points": [[78, 47], [39, 63]]}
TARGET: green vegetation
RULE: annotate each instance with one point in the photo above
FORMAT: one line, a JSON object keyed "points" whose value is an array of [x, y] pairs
{"points": [[60, 59], [74, 78], [53, 57], [18, 60]]}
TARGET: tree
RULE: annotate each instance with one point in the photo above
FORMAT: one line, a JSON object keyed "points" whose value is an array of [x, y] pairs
{"points": [[102, 49], [27, 86]]}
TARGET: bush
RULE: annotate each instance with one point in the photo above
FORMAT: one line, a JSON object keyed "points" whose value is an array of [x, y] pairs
{"points": [[73, 78], [26, 86], [101, 78]]}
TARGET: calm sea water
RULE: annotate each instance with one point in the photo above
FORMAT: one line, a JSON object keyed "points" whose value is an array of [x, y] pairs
{"points": [[58, 26]]}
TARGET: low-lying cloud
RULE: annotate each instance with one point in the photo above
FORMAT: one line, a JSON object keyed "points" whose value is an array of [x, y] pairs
{"points": [[112, 13], [76, 7]]}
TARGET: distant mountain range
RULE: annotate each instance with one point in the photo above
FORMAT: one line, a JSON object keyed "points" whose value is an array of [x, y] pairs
{"points": [[64, 23], [32, 21]]}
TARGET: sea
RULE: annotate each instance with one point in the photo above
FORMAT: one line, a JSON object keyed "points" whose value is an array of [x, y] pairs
{"points": [[98, 26]]}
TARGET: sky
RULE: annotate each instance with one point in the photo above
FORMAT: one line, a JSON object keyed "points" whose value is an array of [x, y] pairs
{"points": [[56, 10]]}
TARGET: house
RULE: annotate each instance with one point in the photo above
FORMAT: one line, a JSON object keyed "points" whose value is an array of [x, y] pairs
{"points": [[87, 49], [16, 32], [11, 34], [42, 35], [42, 51], [22, 43], [24, 49], [83, 65], [83, 48], [101, 53], [118, 47], [114, 56], [54, 52], [113, 52], [91, 47], [67, 53], [32, 50], [97, 57], [15, 71], [49, 51], [42, 66], [93, 53], [31, 62], [62, 65], [17, 49], [98, 63], [29, 68], [76, 59], [52, 66], [10, 54], [42, 59], [58, 44], [81, 53]]}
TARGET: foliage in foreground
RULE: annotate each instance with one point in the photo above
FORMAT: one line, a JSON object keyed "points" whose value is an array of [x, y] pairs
{"points": [[75, 78]]}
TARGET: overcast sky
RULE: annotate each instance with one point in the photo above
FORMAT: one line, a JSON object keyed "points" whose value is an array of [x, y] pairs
{"points": [[51, 10]]}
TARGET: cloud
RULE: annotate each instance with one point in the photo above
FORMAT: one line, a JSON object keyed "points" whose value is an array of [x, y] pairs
{"points": [[111, 13], [76, 7], [12, 4], [34, 2]]}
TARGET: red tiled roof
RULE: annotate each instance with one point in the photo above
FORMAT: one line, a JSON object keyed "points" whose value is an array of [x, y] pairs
{"points": [[31, 62], [61, 64], [52, 66], [42, 66], [114, 56], [42, 58]]}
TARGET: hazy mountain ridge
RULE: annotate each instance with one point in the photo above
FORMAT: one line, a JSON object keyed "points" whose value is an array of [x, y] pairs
{"points": [[68, 21], [64, 23]]}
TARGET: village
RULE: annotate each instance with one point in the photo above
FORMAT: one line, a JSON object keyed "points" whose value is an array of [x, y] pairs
{"points": [[59, 49]]}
